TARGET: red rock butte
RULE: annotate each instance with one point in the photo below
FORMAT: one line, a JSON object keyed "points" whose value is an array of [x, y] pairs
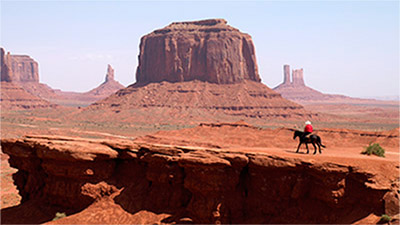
{"points": [[15, 70], [206, 50], [18, 68], [204, 68]]}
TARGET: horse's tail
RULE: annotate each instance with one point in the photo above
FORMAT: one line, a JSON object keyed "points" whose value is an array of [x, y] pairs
{"points": [[320, 142]]}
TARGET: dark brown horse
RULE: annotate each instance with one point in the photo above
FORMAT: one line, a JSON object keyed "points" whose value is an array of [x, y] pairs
{"points": [[313, 139]]}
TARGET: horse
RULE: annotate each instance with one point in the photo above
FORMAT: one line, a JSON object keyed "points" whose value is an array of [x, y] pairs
{"points": [[313, 139]]}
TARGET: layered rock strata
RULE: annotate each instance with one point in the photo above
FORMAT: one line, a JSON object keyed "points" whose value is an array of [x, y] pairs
{"points": [[192, 184], [248, 99], [24, 69], [14, 97], [206, 50]]}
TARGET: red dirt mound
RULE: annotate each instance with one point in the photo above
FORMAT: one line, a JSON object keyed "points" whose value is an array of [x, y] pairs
{"points": [[15, 97], [197, 101]]}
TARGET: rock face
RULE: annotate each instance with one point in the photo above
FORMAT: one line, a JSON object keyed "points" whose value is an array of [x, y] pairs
{"points": [[6, 72], [110, 73], [192, 184], [286, 74], [298, 77], [24, 69], [206, 50]]}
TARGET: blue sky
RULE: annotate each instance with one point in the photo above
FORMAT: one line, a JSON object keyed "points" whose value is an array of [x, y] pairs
{"points": [[345, 47]]}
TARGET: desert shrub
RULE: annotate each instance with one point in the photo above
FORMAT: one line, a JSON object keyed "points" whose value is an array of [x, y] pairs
{"points": [[375, 149], [59, 216], [385, 219]]}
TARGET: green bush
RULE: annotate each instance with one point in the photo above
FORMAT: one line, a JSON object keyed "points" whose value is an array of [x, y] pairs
{"points": [[59, 216], [375, 149], [385, 219]]}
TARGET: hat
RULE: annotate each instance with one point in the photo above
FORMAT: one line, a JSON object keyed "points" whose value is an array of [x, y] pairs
{"points": [[308, 122]]}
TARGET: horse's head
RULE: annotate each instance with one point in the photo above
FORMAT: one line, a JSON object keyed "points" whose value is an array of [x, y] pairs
{"points": [[296, 133]]}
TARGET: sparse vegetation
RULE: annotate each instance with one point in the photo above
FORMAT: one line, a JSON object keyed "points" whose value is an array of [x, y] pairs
{"points": [[385, 219], [375, 149], [59, 216]]}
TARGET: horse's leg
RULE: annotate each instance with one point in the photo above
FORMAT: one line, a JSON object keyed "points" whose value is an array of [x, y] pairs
{"points": [[307, 147], [298, 147], [315, 148], [319, 148]]}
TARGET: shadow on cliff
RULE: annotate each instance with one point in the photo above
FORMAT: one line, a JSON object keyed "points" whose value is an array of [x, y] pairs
{"points": [[31, 212]]}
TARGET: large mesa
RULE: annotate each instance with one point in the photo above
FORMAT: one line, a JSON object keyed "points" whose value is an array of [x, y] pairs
{"points": [[197, 71], [206, 50]]}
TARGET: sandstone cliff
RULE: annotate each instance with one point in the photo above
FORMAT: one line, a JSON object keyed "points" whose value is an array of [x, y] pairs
{"points": [[6, 72], [122, 179], [24, 69], [206, 50]]}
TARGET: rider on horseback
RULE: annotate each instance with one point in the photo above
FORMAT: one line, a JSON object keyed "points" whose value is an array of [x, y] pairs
{"points": [[308, 129]]}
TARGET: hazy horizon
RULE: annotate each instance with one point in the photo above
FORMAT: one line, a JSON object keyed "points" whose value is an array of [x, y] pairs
{"points": [[349, 48]]}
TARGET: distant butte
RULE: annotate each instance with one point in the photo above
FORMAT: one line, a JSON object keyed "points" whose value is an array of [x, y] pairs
{"points": [[23, 72], [13, 70], [206, 50], [296, 90], [109, 86]]}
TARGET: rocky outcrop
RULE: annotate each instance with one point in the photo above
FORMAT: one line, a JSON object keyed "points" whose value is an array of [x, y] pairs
{"points": [[297, 79], [206, 50], [286, 75], [108, 87], [110, 73], [6, 72], [192, 184], [297, 91], [24, 69]]}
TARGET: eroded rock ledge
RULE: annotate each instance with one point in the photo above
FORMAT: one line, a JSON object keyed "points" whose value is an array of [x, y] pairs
{"points": [[193, 184]]}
